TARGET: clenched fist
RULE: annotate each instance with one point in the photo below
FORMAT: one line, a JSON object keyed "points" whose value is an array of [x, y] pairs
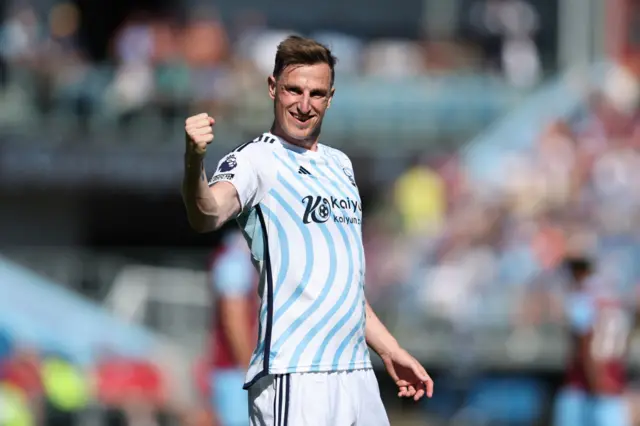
{"points": [[199, 129]]}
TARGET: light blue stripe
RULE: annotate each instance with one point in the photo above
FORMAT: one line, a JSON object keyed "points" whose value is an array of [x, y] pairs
{"points": [[308, 248], [345, 342], [354, 305], [356, 349], [366, 356], [327, 285], [341, 322], [345, 292], [283, 268], [309, 256], [338, 325], [358, 233], [283, 247]]}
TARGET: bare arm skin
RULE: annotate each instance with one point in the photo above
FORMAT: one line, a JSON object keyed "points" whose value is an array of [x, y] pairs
{"points": [[235, 317], [208, 208], [410, 377], [378, 337]]}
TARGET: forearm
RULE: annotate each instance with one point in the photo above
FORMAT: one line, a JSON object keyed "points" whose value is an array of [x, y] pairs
{"points": [[378, 337], [241, 344], [591, 365], [593, 375], [202, 209], [236, 327]]}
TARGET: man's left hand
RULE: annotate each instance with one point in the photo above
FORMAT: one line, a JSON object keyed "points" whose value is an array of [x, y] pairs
{"points": [[410, 377]]}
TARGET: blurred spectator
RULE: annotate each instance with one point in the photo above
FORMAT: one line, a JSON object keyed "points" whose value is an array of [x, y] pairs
{"points": [[22, 35], [596, 374], [234, 329], [205, 46], [172, 77], [131, 390], [518, 263], [22, 372], [549, 242], [508, 28], [132, 85], [420, 198], [393, 59], [389, 256], [65, 389], [14, 407]]}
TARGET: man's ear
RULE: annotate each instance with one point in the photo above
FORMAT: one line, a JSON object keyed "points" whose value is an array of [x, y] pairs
{"points": [[333, 91], [271, 81]]}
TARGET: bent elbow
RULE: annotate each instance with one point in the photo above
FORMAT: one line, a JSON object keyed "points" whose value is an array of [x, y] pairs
{"points": [[217, 223], [201, 224], [200, 229]]}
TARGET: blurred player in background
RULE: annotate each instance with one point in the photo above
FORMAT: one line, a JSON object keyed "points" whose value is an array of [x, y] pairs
{"points": [[234, 282], [596, 379], [298, 205]]}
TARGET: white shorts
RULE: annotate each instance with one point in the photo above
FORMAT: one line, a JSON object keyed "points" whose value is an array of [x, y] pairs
{"points": [[344, 398]]}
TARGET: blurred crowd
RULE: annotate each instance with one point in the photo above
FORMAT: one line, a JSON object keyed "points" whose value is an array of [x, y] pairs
{"points": [[439, 245], [161, 64], [464, 250], [52, 389]]}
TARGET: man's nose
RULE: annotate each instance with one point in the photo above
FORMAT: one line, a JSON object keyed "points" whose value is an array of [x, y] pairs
{"points": [[304, 106]]}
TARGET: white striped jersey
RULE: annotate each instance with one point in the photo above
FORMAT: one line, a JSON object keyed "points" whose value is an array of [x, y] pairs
{"points": [[301, 216]]}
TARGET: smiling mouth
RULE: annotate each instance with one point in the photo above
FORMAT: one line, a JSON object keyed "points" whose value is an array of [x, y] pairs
{"points": [[300, 118]]}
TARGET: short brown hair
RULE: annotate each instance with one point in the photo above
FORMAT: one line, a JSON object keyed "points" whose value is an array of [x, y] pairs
{"points": [[296, 50]]}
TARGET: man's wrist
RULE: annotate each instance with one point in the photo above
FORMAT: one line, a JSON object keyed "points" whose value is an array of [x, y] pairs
{"points": [[193, 158], [391, 348], [387, 349]]}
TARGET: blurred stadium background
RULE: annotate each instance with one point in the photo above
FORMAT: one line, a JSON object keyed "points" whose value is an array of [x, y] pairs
{"points": [[490, 138]]}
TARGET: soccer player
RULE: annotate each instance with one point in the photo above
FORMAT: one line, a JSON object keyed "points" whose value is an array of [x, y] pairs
{"points": [[234, 328], [298, 205], [596, 378]]}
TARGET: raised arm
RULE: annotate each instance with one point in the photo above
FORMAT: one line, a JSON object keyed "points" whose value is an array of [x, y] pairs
{"points": [[208, 207]]}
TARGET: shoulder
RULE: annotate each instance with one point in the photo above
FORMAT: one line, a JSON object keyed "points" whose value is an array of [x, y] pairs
{"points": [[338, 156], [343, 162], [254, 152], [256, 147]]}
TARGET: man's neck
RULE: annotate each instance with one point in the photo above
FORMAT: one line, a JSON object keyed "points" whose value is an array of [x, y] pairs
{"points": [[310, 144]]}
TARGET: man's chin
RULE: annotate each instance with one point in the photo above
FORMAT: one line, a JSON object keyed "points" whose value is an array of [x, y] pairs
{"points": [[300, 135]]}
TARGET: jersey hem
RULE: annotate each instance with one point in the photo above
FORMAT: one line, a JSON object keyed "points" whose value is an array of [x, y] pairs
{"points": [[314, 368]]}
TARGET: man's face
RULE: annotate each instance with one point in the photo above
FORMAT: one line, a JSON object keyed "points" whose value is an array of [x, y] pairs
{"points": [[301, 96]]}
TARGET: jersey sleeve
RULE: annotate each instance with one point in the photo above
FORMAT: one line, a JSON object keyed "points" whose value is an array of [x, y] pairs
{"points": [[243, 172], [581, 314], [232, 276]]}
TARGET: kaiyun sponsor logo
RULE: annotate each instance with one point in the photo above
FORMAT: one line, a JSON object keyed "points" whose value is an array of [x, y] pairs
{"points": [[320, 209]]}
